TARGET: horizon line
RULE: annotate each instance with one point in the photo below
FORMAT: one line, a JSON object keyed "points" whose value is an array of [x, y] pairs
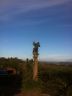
{"points": [[41, 59]]}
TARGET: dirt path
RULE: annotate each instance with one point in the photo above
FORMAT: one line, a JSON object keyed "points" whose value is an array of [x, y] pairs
{"points": [[31, 93]]}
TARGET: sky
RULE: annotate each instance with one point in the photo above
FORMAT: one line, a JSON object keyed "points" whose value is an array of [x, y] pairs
{"points": [[46, 21]]}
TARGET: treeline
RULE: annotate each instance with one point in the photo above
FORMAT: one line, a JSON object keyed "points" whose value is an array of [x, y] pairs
{"points": [[10, 62], [23, 66], [14, 62]]}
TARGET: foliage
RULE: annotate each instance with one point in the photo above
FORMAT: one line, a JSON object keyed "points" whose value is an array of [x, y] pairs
{"points": [[57, 80], [54, 79]]}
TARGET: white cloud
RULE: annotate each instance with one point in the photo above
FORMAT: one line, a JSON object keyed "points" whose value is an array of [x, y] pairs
{"points": [[29, 4], [12, 7]]}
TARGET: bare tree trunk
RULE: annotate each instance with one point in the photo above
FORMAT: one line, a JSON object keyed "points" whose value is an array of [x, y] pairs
{"points": [[35, 68]]}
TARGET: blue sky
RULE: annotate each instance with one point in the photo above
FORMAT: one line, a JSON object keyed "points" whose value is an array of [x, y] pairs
{"points": [[46, 21]]}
